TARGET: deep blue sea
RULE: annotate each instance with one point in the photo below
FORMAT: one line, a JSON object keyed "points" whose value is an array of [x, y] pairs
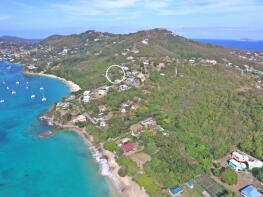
{"points": [[61, 166], [234, 44]]}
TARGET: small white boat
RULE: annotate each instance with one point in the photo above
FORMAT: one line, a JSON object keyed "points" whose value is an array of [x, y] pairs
{"points": [[33, 96], [26, 87], [7, 88], [44, 99], [41, 88], [17, 83], [27, 82], [3, 82], [13, 92], [2, 101]]}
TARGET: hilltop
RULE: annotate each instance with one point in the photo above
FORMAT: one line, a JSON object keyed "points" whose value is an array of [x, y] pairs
{"points": [[13, 39]]}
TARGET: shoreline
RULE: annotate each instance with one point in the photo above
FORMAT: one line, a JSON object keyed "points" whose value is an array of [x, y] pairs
{"points": [[119, 186], [73, 86]]}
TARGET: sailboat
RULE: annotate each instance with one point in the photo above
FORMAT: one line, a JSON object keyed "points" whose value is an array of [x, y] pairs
{"points": [[41, 88], [33, 96], [17, 83], [7, 88], [2, 101], [44, 99], [13, 92]]}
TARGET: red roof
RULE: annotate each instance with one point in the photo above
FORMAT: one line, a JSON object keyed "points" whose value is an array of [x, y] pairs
{"points": [[127, 147], [101, 107]]}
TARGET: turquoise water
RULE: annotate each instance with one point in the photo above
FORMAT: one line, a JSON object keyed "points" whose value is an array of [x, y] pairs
{"points": [[61, 166]]}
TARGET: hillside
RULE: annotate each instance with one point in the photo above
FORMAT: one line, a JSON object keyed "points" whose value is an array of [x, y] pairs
{"points": [[200, 101], [17, 40]]}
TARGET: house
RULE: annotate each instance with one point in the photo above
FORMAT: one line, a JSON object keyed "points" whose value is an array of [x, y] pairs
{"points": [[123, 110], [190, 184], [86, 99], [134, 107], [98, 118], [127, 147], [156, 128], [86, 93], [148, 121], [240, 158], [141, 77], [102, 108], [103, 124], [250, 191], [162, 74], [191, 61], [124, 87], [236, 165], [101, 92], [80, 118], [130, 58], [125, 140], [211, 61], [126, 104], [130, 79], [177, 190], [145, 41], [70, 98], [136, 130], [63, 105]]}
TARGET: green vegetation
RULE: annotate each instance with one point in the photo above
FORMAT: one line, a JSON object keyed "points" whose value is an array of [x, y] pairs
{"points": [[229, 176], [205, 109]]}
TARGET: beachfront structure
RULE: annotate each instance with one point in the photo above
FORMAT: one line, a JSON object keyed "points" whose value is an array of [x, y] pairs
{"points": [[250, 191], [239, 157], [80, 118], [190, 184], [175, 191], [236, 165]]}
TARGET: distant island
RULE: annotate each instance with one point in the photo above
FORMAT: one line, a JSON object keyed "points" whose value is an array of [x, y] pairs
{"points": [[188, 115]]}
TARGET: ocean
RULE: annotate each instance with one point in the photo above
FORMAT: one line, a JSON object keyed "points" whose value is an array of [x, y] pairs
{"points": [[235, 44], [60, 166]]}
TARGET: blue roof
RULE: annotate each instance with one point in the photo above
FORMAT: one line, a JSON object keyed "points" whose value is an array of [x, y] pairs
{"points": [[250, 191], [176, 190], [189, 184]]}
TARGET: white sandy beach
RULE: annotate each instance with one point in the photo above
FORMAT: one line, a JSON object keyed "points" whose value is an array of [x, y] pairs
{"points": [[73, 86]]}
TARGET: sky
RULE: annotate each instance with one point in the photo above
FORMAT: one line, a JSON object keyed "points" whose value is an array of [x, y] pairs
{"points": [[210, 19]]}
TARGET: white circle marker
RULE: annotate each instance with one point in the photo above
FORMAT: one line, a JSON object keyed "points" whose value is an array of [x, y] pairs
{"points": [[119, 81]]}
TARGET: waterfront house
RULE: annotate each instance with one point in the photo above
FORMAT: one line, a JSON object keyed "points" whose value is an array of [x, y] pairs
{"points": [[250, 191], [175, 191]]}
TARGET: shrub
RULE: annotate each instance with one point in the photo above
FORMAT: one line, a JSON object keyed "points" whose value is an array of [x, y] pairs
{"points": [[123, 171], [229, 176]]}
